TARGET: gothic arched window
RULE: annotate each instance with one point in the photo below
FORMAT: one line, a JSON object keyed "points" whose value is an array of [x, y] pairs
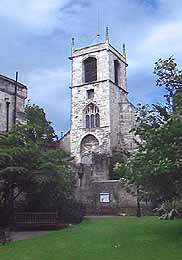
{"points": [[92, 121], [97, 120], [92, 118], [87, 121], [90, 69]]}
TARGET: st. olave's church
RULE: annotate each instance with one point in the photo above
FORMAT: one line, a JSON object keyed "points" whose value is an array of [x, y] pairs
{"points": [[101, 120]]}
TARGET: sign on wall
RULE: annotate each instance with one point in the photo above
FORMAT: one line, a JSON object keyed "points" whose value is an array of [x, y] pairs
{"points": [[104, 197]]}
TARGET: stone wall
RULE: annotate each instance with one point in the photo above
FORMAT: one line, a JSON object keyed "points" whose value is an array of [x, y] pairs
{"points": [[120, 200], [93, 180], [100, 99], [7, 94], [98, 51], [115, 107], [116, 112], [127, 122], [122, 68]]}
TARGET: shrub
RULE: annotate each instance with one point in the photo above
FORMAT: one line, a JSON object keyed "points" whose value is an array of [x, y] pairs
{"points": [[170, 209], [71, 211]]}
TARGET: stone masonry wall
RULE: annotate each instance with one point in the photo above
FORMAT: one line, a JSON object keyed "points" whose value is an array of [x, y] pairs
{"points": [[127, 122], [80, 101], [7, 93], [122, 70], [121, 110], [107, 96], [120, 200], [100, 53]]}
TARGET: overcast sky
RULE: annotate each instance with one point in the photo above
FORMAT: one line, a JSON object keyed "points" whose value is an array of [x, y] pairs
{"points": [[36, 36]]}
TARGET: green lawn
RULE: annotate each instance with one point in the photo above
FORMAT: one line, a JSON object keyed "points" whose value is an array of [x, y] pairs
{"points": [[104, 239]]}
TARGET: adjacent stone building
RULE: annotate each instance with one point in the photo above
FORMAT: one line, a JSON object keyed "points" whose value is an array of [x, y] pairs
{"points": [[12, 100], [101, 120]]}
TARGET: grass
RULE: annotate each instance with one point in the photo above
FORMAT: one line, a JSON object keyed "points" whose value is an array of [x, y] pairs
{"points": [[104, 239]]}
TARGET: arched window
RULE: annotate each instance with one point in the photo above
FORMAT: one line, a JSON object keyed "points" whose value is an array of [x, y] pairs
{"points": [[90, 69], [92, 121], [92, 118], [97, 120], [87, 121]]}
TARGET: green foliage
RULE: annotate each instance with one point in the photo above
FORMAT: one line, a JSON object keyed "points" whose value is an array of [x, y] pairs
{"points": [[53, 185], [71, 211], [118, 158], [18, 162], [170, 209], [38, 129], [157, 165], [169, 77], [29, 166]]}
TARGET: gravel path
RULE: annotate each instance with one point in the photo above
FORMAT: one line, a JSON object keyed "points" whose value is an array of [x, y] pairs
{"points": [[103, 216], [23, 235]]}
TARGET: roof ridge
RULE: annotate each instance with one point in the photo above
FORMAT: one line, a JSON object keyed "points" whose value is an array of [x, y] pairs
{"points": [[12, 81]]}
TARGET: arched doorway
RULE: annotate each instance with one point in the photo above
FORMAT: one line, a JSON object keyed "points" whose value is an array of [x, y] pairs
{"points": [[89, 144]]}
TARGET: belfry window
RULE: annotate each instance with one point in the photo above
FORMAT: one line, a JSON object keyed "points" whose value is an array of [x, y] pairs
{"points": [[92, 117], [116, 72], [90, 69]]}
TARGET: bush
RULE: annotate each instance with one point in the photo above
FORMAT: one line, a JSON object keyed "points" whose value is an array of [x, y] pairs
{"points": [[71, 211], [6, 217], [170, 209]]}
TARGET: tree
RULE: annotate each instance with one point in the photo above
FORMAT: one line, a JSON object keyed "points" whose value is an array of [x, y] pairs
{"points": [[157, 165], [54, 183], [18, 164], [28, 165], [37, 129]]}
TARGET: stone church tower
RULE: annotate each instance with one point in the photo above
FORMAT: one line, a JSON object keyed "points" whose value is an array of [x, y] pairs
{"points": [[101, 118], [101, 113]]}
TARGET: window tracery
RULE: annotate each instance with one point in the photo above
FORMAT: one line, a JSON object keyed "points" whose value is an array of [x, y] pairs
{"points": [[92, 117]]}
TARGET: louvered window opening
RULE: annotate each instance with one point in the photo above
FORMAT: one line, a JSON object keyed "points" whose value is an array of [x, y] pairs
{"points": [[116, 72], [90, 69]]}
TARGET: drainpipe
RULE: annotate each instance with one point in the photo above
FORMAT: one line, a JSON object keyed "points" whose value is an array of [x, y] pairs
{"points": [[7, 114], [15, 100]]}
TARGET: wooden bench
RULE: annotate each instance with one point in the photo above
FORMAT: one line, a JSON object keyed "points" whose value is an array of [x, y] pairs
{"points": [[36, 220]]}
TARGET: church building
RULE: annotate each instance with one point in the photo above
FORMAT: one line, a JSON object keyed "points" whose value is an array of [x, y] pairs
{"points": [[101, 120]]}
